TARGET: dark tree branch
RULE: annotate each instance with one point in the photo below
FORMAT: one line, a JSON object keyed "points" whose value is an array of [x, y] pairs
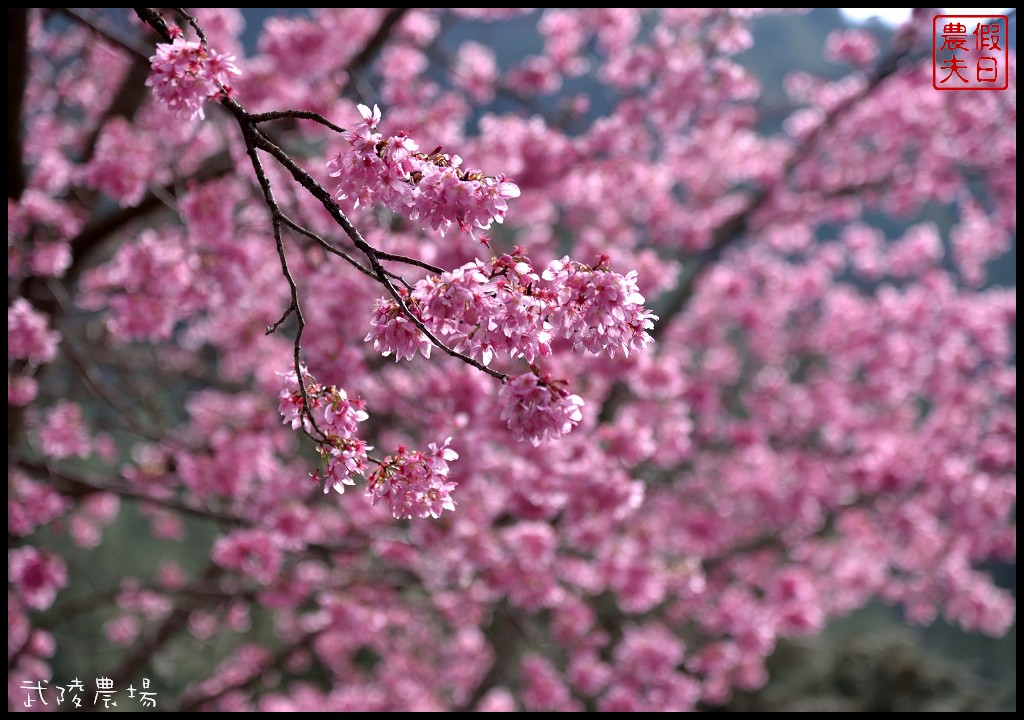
{"points": [[372, 254], [250, 135], [735, 228], [410, 261], [254, 139], [326, 245], [505, 636], [295, 115], [109, 32], [91, 237], [361, 59], [191, 20], [125, 104], [156, 21]]}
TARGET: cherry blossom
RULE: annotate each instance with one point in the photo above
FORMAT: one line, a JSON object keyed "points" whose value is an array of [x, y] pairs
{"points": [[414, 483], [431, 188], [28, 336], [392, 331], [538, 408], [327, 412], [789, 313], [185, 74], [37, 576]]}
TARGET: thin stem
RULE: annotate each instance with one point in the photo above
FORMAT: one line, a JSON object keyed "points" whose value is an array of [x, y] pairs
{"points": [[297, 114], [410, 261], [249, 133], [271, 329], [327, 246], [191, 19]]}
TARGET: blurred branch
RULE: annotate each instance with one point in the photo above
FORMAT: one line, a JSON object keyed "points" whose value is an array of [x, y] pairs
{"points": [[504, 635], [80, 485], [109, 32], [735, 227], [131, 94], [17, 76], [98, 229], [275, 662], [362, 58], [174, 624]]}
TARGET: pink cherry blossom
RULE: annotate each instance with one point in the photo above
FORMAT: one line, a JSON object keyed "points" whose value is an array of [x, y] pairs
{"points": [[37, 575], [32, 505], [28, 335], [539, 409], [821, 417], [334, 418], [597, 309], [392, 331], [431, 189], [251, 552], [21, 390], [185, 74], [414, 483], [61, 435]]}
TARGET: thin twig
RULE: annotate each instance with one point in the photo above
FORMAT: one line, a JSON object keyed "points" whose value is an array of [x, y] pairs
{"points": [[326, 245], [195, 25], [271, 329], [409, 261], [251, 137], [298, 114], [103, 27]]}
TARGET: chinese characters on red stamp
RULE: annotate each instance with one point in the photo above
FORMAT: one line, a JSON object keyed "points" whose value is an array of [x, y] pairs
{"points": [[970, 52]]}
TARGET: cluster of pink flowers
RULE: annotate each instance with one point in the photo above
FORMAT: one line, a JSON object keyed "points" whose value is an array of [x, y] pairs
{"points": [[28, 337], [186, 74], [251, 552], [503, 305], [488, 308], [392, 331], [62, 435], [31, 504], [597, 309], [36, 575], [538, 408], [336, 417], [414, 483], [432, 189], [29, 341]]}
